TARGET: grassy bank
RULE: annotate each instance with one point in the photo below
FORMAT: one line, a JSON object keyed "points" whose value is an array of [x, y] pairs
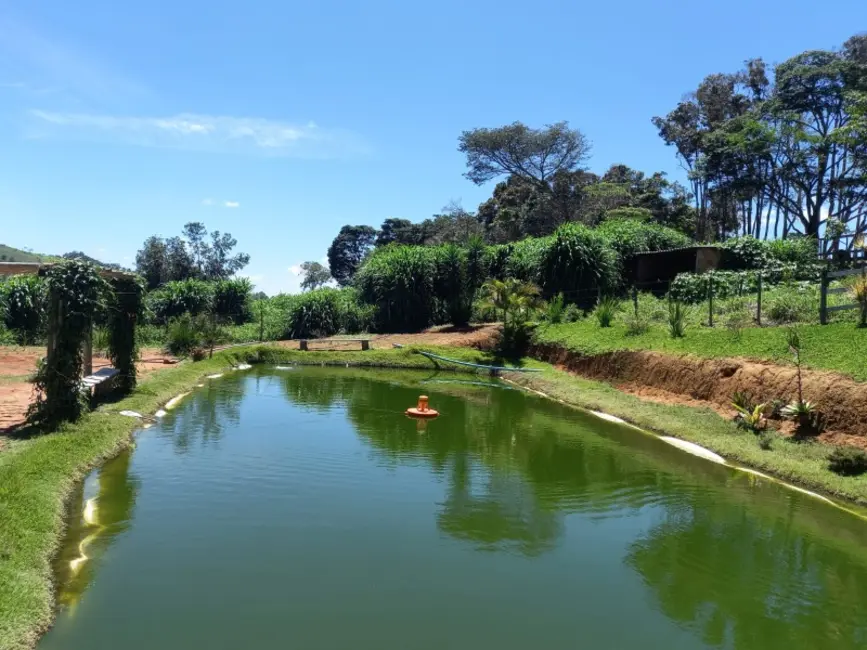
{"points": [[37, 475], [803, 463], [839, 346]]}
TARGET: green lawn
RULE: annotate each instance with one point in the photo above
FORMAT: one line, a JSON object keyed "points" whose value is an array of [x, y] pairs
{"points": [[838, 346]]}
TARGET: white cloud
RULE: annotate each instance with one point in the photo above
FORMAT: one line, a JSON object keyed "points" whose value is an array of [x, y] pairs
{"points": [[232, 204], [195, 132], [295, 269]]}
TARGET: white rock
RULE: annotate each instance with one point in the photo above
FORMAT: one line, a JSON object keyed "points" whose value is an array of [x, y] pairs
{"points": [[130, 414], [694, 449]]}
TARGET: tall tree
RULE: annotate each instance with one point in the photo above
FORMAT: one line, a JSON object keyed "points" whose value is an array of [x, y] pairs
{"points": [[395, 230], [348, 250], [315, 276], [151, 261], [534, 155]]}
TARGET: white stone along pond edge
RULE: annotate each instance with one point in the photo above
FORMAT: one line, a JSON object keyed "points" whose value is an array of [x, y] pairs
{"points": [[694, 449]]}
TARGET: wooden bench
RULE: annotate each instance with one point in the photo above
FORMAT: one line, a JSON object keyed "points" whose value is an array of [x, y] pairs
{"points": [[100, 382], [304, 344]]}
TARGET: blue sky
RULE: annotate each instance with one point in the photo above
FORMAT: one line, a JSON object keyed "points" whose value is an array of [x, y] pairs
{"points": [[280, 121]]}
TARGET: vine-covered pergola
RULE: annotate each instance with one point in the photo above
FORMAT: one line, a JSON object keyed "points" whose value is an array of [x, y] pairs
{"points": [[77, 292]]}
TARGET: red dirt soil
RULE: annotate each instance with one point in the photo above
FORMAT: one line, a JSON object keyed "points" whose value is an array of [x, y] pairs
{"points": [[18, 363], [712, 382]]}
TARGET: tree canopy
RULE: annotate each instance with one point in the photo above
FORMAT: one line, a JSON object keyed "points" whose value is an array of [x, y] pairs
{"points": [[192, 255], [348, 250], [315, 276]]}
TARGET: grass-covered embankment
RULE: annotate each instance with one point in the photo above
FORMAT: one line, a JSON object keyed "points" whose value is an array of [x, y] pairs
{"points": [[37, 475], [840, 347]]}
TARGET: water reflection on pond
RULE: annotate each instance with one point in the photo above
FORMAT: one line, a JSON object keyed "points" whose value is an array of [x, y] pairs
{"points": [[303, 508]]}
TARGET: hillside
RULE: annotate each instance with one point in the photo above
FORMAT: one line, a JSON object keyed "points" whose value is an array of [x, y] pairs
{"points": [[9, 254]]}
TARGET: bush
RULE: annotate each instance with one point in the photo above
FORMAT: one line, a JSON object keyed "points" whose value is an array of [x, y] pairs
{"points": [[636, 324], [450, 284], [676, 320], [744, 253], [184, 334], [512, 341], [606, 310], [792, 304], [232, 299], [572, 314], [355, 316], [798, 251], [555, 309], [23, 305], [314, 314], [175, 299], [627, 237], [577, 262], [847, 461], [399, 282]]}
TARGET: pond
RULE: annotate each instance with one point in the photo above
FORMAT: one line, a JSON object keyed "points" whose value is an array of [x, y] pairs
{"points": [[301, 508]]}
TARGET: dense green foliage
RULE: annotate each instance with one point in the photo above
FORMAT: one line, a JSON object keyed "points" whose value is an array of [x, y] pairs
{"points": [[191, 255], [231, 301], [577, 262], [174, 299], [125, 310], [848, 461], [399, 282], [777, 154], [76, 293], [325, 312], [22, 305]]}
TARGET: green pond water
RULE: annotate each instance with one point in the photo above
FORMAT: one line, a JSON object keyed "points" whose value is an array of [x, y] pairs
{"points": [[300, 508]]}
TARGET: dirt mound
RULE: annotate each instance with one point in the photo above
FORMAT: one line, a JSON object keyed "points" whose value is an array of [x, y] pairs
{"points": [[842, 401]]}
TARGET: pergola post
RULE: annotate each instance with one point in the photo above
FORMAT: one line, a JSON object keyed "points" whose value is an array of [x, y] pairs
{"points": [[87, 351]]}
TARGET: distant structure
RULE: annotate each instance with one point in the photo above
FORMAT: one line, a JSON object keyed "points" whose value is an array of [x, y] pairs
{"points": [[655, 270]]}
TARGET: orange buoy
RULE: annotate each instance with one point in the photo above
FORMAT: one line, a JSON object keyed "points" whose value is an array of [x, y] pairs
{"points": [[422, 410]]}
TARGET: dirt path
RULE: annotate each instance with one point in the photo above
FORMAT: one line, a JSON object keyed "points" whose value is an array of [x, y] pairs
{"points": [[17, 364], [457, 337]]}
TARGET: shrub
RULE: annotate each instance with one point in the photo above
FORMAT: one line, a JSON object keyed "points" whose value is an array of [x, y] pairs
{"points": [[792, 304], [555, 310], [750, 419], [577, 262], [766, 440], [314, 314], [606, 310], [174, 299], [23, 304], [572, 314], [636, 324], [628, 236], [742, 253], [858, 290], [450, 284], [676, 319], [512, 341], [798, 251], [184, 334], [399, 282], [847, 461], [232, 299], [355, 316], [736, 321]]}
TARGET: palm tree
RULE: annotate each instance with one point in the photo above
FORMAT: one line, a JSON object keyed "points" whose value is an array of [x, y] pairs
{"points": [[510, 296]]}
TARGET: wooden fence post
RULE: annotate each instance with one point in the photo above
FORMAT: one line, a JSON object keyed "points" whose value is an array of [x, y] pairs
{"points": [[635, 299], [823, 297], [710, 301], [759, 303]]}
